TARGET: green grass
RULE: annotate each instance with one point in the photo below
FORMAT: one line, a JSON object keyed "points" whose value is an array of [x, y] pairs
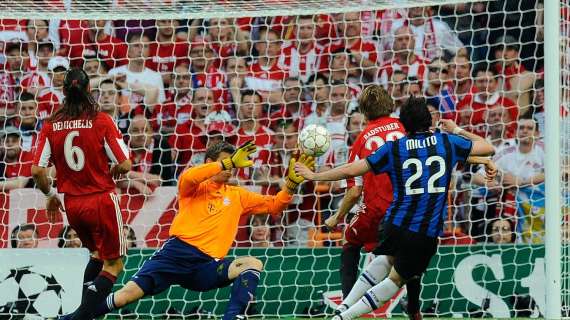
{"points": [[293, 318]]}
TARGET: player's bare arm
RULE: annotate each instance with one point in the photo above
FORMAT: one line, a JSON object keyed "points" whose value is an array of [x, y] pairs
{"points": [[481, 147], [349, 170], [53, 203], [351, 198], [490, 166], [118, 170]]}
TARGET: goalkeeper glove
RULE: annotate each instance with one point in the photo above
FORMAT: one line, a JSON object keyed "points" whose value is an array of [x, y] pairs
{"points": [[240, 157], [293, 180]]}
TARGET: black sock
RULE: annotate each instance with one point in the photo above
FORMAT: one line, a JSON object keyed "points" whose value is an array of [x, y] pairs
{"points": [[95, 293], [349, 262], [93, 268], [414, 289]]}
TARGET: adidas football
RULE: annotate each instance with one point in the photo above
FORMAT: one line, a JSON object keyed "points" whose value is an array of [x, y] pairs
{"points": [[314, 140]]}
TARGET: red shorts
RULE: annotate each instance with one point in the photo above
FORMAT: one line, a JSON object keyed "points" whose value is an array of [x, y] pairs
{"points": [[98, 222], [363, 230]]}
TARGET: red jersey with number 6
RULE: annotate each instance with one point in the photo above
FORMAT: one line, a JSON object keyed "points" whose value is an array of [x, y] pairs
{"points": [[377, 189], [81, 150]]}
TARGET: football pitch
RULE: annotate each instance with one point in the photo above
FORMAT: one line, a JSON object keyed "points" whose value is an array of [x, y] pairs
{"points": [[293, 318]]}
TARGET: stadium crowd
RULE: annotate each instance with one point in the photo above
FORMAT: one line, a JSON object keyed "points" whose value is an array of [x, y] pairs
{"points": [[175, 87]]}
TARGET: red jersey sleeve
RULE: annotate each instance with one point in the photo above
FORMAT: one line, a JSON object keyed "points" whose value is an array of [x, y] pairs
{"points": [[115, 146], [42, 153], [354, 155], [26, 164]]}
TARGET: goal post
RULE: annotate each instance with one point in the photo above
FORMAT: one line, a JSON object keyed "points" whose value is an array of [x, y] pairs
{"points": [[554, 86], [472, 275]]}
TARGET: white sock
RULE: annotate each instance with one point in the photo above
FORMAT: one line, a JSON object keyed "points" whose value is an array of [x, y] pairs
{"points": [[372, 300], [375, 272]]}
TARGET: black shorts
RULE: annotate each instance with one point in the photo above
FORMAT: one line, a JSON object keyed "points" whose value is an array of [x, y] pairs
{"points": [[412, 251]]}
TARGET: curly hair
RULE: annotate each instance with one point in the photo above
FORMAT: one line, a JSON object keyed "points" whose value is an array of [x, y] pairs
{"points": [[375, 102]]}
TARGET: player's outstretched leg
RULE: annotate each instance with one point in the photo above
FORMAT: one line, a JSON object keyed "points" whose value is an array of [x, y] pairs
{"points": [[349, 261], [374, 298], [245, 275], [414, 289], [99, 289], [92, 270], [375, 272], [131, 292]]}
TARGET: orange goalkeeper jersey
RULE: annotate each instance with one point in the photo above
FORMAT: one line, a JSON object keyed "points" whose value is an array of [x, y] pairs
{"points": [[209, 212]]}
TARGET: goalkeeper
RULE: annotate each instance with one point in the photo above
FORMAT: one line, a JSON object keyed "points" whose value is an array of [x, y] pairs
{"points": [[203, 231]]}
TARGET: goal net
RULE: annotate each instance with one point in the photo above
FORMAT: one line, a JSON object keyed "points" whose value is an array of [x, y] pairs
{"points": [[178, 76]]}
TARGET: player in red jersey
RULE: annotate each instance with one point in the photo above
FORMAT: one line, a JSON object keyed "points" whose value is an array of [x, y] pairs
{"points": [[376, 105], [80, 140]]}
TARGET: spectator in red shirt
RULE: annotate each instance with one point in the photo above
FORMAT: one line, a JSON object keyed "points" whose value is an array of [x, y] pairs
{"points": [[319, 90], [167, 50], [343, 68], [219, 131], [356, 123], [486, 95], [433, 36], [17, 64], [88, 37], [301, 56], [204, 70], [37, 31], [51, 98], [404, 59], [395, 88], [177, 109], [236, 71], [293, 108], [460, 76], [38, 79], [94, 66], [27, 120], [284, 147], [266, 73], [363, 53], [517, 80], [496, 120], [151, 157], [15, 164], [226, 38], [188, 142], [145, 85], [249, 113], [108, 94], [298, 217], [438, 93]]}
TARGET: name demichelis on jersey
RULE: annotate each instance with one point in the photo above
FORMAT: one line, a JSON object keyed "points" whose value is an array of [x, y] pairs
{"points": [[73, 124]]}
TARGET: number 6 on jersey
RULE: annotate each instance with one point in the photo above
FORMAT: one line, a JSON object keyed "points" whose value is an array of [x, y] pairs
{"points": [[74, 156]]}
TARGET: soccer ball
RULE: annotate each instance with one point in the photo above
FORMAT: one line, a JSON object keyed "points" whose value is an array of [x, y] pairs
{"points": [[314, 140]]}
